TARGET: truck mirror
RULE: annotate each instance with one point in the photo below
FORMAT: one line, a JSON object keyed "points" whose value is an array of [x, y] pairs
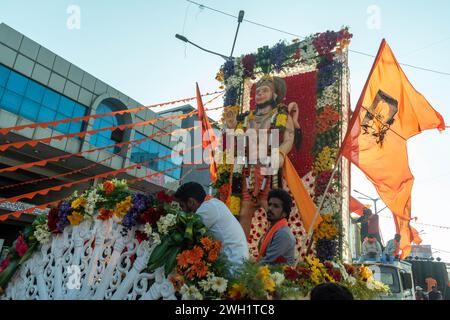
{"points": [[406, 280]]}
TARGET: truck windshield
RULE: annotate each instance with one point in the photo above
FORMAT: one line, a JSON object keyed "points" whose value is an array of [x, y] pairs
{"points": [[389, 276]]}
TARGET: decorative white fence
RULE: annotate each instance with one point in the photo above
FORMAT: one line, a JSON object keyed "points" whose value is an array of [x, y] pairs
{"points": [[94, 260]]}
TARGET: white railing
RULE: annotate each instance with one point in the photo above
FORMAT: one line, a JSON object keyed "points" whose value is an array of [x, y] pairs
{"points": [[94, 260]]}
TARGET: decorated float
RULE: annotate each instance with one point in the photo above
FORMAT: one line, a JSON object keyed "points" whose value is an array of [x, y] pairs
{"points": [[110, 243]]}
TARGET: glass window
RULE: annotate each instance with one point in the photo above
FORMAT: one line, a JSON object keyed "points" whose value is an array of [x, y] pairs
{"points": [[33, 101], [17, 83], [76, 126], [11, 101], [62, 127], [4, 74], [35, 91], [29, 109], [78, 111], [51, 99], [46, 115], [104, 137], [66, 107]]}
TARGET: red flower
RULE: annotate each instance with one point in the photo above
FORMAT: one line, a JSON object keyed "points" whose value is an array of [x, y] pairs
{"points": [[303, 271], [291, 274], [280, 259], [163, 197], [108, 187], [105, 214], [4, 264], [140, 236], [21, 245], [328, 265], [151, 215], [53, 220], [337, 275]]}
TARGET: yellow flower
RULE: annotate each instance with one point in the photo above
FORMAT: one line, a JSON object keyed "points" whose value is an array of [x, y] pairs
{"points": [[325, 159], [220, 76], [365, 272], [315, 276], [79, 202], [75, 218], [123, 207], [269, 284], [235, 205], [237, 291], [281, 120], [264, 272]]}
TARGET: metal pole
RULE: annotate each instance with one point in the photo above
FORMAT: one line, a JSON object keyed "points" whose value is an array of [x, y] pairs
{"points": [[240, 18]]}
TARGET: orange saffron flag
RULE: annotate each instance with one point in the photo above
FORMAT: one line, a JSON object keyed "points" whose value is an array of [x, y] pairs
{"points": [[209, 139], [388, 113], [305, 204], [357, 207]]}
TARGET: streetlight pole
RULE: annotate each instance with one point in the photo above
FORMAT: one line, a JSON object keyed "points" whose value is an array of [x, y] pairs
{"points": [[374, 200], [240, 19]]}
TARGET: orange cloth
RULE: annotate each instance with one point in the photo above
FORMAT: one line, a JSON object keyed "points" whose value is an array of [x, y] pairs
{"points": [[388, 113], [209, 139], [268, 237], [430, 283], [305, 204], [357, 207]]}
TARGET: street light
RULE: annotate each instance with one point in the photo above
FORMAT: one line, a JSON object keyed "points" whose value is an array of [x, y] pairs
{"points": [[240, 19], [184, 39], [370, 199]]}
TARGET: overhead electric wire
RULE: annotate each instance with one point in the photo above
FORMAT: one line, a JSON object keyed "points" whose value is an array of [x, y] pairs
{"points": [[299, 36]]}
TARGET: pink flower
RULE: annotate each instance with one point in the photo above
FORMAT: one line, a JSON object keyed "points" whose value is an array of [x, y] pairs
{"points": [[4, 264], [21, 245]]}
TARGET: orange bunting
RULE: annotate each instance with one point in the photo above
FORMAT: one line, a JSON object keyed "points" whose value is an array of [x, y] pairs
{"points": [[34, 142], [95, 116]]}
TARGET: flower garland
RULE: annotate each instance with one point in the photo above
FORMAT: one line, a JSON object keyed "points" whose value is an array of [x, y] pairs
{"points": [[254, 281]]}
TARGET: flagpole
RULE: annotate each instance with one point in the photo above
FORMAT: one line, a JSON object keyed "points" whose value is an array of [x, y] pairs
{"points": [[316, 214]]}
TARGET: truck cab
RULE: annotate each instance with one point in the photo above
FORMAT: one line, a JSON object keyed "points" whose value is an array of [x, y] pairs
{"points": [[398, 276]]}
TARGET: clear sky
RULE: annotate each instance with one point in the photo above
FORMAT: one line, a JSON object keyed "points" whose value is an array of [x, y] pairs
{"points": [[131, 46]]}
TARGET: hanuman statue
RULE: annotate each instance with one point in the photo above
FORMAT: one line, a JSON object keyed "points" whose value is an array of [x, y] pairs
{"points": [[270, 114]]}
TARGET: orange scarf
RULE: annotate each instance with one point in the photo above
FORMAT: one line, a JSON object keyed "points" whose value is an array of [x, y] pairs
{"points": [[397, 248], [268, 237]]}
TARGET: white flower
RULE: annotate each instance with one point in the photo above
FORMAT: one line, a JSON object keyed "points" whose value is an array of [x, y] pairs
{"points": [[205, 284], [42, 234], [156, 239], [278, 278], [165, 222], [148, 229], [351, 280], [370, 285], [190, 293], [219, 284]]}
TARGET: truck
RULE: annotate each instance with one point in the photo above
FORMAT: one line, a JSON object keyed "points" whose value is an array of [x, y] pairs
{"points": [[398, 276], [423, 269]]}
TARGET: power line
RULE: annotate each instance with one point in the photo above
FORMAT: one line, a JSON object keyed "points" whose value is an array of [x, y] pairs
{"points": [[299, 36]]}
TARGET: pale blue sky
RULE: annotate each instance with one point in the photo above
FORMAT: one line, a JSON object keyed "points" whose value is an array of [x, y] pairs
{"points": [[131, 46]]}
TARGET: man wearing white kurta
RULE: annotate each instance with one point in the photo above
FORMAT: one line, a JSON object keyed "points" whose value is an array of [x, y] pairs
{"points": [[217, 218]]}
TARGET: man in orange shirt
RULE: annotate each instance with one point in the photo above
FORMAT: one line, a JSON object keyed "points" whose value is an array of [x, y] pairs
{"points": [[430, 283]]}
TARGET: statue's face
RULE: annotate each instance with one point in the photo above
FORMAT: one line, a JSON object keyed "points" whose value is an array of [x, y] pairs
{"points": [[263, 94], [230, 118]]}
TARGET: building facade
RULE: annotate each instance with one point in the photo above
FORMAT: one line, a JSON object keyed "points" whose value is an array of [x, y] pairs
{"points": [[195, 172], [37, 85]]}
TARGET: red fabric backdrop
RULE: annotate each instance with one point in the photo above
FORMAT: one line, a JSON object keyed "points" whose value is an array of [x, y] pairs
{"points": [[301, 89]]}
